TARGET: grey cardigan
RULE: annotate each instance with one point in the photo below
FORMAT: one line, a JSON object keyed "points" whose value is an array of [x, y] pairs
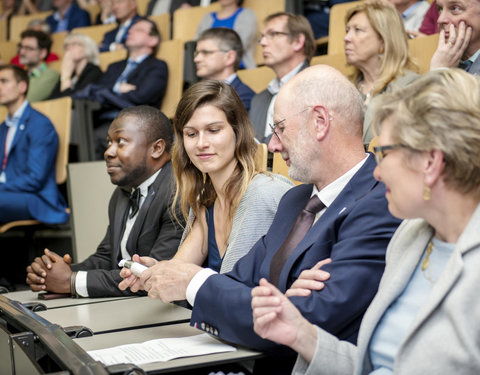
{"points": [[253, 217], [444, 337], [246, 28]]}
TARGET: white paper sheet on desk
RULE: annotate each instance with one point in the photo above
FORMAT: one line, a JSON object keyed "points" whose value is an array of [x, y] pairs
{"points": [[160, 350]]}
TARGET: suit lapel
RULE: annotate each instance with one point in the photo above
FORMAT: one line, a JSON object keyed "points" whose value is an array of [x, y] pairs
{"points": [[119, 221], [359, 185], [22, 123]]}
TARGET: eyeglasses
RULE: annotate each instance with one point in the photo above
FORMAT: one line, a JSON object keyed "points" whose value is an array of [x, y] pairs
{"points": [[276, 129], [206, 52], [28, 48], [379, 151], [270, 35]]}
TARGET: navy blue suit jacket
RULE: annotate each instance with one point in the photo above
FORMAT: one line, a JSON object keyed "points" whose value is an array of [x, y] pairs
{"points": [[109, 37], [76, 18], [31, 167], [244, 92], [150, 77], [354, 231]]}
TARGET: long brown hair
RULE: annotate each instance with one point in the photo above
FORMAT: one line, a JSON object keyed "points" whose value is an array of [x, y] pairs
{"points": [[194, 188]]}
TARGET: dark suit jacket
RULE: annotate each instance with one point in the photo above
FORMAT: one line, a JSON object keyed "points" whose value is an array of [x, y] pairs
{"points": [[258, 111], [109, 36], [76, 18], [90, 74], [31, 167], [354, 231], [244, 92], [155, 234]]}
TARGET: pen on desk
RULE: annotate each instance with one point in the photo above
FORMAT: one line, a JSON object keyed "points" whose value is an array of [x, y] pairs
{"points": [[136, 268]]}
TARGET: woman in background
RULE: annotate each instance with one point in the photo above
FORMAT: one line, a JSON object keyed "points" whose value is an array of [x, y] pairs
{"points": [[376, 46], [79, 65], [243, 20]]}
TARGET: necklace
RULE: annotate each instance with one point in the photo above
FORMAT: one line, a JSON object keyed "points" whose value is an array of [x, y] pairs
{"points": [[361, 88], [426, 260]]}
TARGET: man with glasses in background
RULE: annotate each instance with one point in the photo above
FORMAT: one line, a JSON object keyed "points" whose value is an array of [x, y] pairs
{"points": [[33, 49], [340, 212], [288, 45], [217, 56]]}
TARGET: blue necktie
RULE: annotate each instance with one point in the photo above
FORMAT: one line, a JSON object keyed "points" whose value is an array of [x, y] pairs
{"points": [[131, 65], [465, 65]]}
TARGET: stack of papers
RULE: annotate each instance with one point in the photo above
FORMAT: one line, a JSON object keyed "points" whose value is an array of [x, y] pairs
{"points": [[160, 350]]}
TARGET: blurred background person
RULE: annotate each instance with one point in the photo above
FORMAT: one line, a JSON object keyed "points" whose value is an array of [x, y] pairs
{"points": [[426, 297], [79, 65], [412, 12], [233, 16], [38, 25], [33, 49], [68, 16], [376, 46]]}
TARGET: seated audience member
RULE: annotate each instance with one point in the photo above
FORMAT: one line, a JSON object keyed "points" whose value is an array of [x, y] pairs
{"points": [[242, 20], [39, 25], [426, 296], [376, 46], [8, 10], [34, 6], [33, 49], [318, 14], [125, 12], [28, 151], [156, 7], [79, 65], [68, 16], [459, 39], [217, 56], [232, 205], [412, 12], [140, 210], [139, 79], [318, 132], [106, 15], [430, 21], [288, 45]]}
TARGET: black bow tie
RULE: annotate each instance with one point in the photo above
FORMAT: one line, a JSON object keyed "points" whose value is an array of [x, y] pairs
{"points": [[134, 202]]}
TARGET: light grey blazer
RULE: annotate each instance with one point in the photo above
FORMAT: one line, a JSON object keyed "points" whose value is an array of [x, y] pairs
{"points": [[445, 336]]}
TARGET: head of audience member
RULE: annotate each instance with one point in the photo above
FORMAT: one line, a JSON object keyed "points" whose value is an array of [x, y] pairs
{"points": [[218, 53], [287, 40], [428, 132], [33, 48], [318, 131], [124, 10], [82, 49], [376, 43], [39, 25], [452, 13], [62, 5], [139, 142], [13, 87], [214, 139], [143, 38]]}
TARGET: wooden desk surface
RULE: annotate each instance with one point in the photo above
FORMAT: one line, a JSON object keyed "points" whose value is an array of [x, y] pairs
{"points": [[108, 340], [117, 315]]}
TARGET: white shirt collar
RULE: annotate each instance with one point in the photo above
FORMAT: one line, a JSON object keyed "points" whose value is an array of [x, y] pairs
{"points": [[276, 84], [146, 184], [231, 78]]}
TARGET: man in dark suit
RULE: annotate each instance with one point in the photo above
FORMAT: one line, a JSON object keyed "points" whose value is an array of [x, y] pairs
{"points": [[28, 150], [125, 12], [218, 55], [459, 40], [288, 45], [67, 17], [318, 131], [139, 79], [138, 160]]}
